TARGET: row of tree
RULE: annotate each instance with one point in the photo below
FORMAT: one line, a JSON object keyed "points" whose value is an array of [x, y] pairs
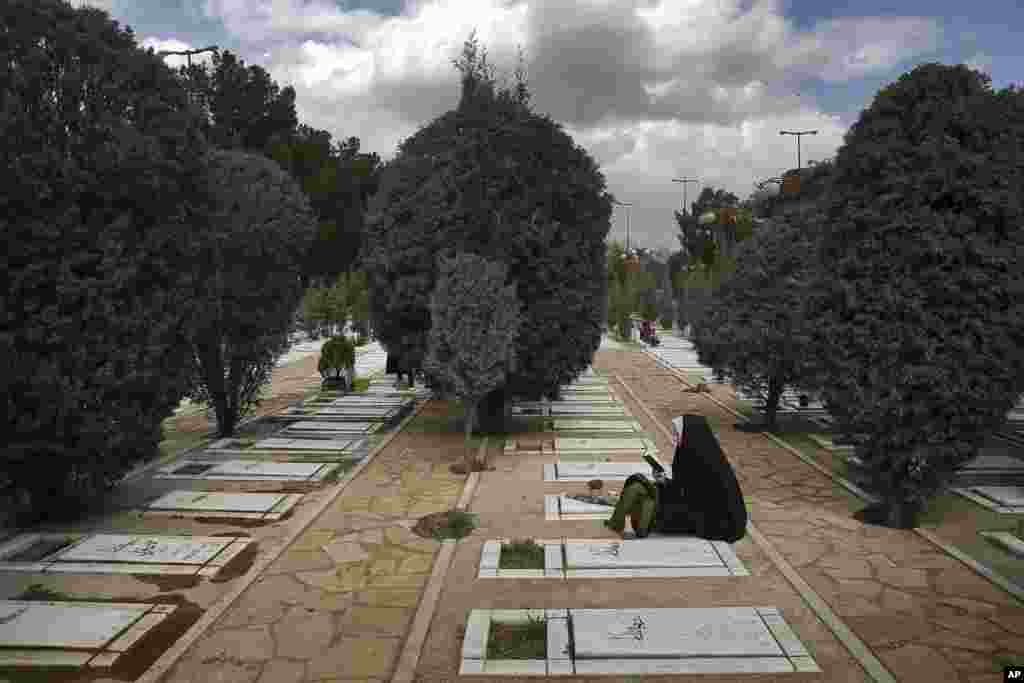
{"points": [[897, 294], [159, 228], [326, 310]]}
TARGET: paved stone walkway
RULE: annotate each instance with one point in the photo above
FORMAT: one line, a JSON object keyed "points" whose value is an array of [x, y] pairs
{"points": [[923, 613], [336, 605]]}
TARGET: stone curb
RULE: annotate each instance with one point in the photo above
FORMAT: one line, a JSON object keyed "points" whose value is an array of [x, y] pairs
{"points": [[979, 568], [990, 574], [854, 645], [405, 672], [163, 665]]}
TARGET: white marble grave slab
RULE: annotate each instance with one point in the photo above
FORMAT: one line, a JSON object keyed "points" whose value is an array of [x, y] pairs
{"points": [[215, 503], [657, 556], [999, 463], [149, 549], [249, 469], [327, 426], [672, 633], [303, 444], [585, 471], [648, 552], [1001, 499], [603, 426], [642, 642], [586, 410], [560, 507], [73, 634], [65, 625], [605, 444], [587, 402], [126, 554]]}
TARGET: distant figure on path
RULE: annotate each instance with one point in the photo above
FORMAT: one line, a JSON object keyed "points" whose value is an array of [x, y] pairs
{"points": [[703, 497]]}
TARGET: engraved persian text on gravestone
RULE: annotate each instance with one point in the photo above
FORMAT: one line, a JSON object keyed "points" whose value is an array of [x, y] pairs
{"points": [[683, 632], [154, 549]]}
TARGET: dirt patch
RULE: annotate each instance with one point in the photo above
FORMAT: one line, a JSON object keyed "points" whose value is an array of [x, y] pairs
{"points": [[240, 523], [132, 664], [169, 582], [239, 564]]}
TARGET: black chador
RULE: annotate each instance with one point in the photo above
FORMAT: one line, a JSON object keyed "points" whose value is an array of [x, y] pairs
{"points": [[703, 497]]}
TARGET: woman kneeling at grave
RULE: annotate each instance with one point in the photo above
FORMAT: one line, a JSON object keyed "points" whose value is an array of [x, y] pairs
{"points": [[701, 499]]}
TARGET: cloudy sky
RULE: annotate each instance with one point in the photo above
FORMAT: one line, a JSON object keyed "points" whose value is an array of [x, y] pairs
{"points": [[653, 89]]}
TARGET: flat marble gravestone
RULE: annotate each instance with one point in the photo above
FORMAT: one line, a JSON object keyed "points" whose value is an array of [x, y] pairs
{"points": [[672, 633], [47, 624], [1009, 496], [319, 425], [255, 469], [571, 506], [600, 470], [600, 444], [994, 462], [150, 549], [580, 425], [560, 409], [217, 502], [304, 444], [649, 552]]}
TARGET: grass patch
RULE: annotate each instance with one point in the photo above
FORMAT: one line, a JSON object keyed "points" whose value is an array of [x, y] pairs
{"points": [[340, 471], [518, 641], [444, 525], [361, 384], [955, 519], [522, 553]]}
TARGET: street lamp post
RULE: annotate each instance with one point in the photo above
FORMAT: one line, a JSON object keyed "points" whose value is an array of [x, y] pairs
{"points": [[798, 134], [627, 205], [188, 55], [684, 181]]}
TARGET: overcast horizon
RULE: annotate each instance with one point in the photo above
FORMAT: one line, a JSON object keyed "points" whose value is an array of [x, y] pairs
{"points": [[653, 90]]}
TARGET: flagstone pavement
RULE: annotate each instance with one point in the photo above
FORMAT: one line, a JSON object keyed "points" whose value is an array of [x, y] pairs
{"points": [[338, 604]]}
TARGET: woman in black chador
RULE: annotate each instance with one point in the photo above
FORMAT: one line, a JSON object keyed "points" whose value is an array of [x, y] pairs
{"points": [[701, 499]]}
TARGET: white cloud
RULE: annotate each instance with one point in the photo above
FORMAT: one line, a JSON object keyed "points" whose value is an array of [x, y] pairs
{"points": [[652, 88]]}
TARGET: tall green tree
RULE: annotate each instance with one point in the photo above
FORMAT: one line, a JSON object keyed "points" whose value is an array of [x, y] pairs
{"points": [[919, 306], [495, 179], [475, 319], [262, 225], [97, 206], [754, 328], [243, 107], [339, 181]]}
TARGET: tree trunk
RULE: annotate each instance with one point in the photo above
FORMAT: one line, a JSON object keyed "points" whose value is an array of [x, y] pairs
{"points": [[471, 408], [772, 402], [491, 412]]}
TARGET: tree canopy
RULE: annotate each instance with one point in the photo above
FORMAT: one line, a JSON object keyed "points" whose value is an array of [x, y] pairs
{"points": [[103, 157], [475, 320], [494, 179], [918, 305], [262, 226], [754, 328]]}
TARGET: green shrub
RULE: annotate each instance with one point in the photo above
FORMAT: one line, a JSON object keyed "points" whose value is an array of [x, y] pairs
{"points": [[336, 356]]}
